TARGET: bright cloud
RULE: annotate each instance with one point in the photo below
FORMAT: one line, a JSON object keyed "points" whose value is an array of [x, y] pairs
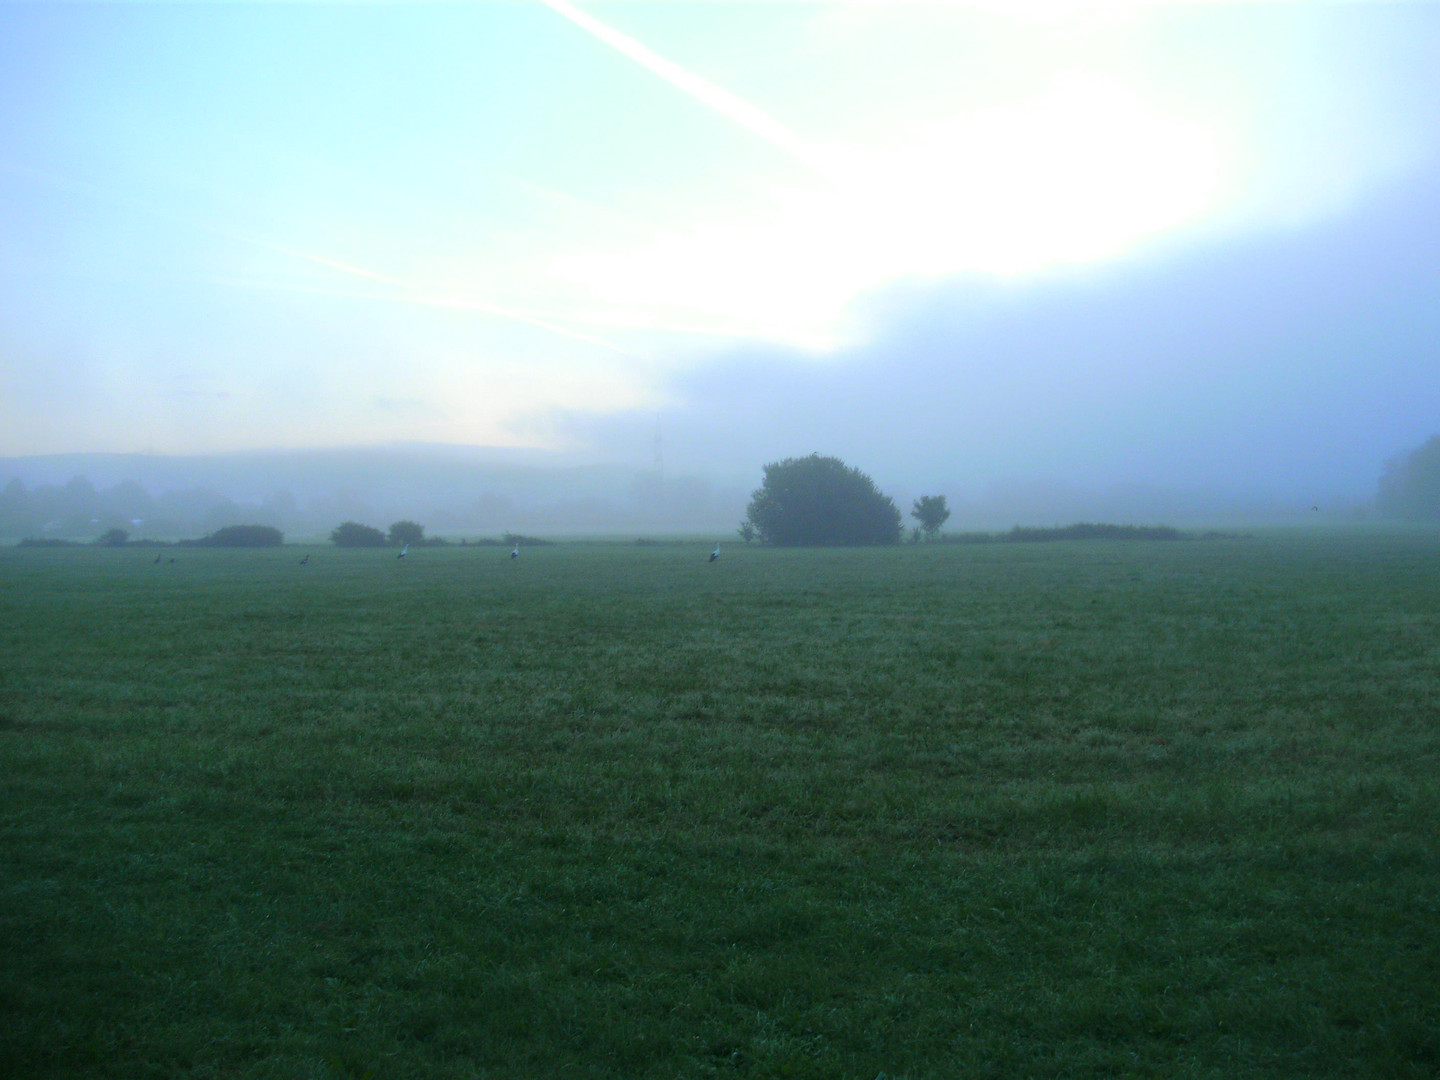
{"points": [[1082, 171]]}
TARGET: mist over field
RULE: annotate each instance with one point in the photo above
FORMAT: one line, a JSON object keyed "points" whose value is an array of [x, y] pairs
{"points": [[452, 491], [460, 492]]}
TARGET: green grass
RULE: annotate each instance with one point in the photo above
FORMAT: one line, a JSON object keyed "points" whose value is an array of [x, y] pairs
{"points": [[1057, 810]]}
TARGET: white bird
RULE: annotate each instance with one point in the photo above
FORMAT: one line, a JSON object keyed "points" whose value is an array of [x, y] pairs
{"points": [[715, 554], [403, 552], [515, 552]]}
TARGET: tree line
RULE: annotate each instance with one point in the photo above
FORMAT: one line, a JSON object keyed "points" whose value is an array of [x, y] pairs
{"points": [[817, 500], [78, 508], [812, 500], [352, 534]]}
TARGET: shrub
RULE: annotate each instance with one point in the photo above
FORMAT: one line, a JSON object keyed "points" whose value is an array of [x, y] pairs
{"points": [[353, 534], [1088, 531], [244, 536]]}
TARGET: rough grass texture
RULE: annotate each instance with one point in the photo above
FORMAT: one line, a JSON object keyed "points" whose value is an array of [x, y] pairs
{"points": [[1069, 810]]}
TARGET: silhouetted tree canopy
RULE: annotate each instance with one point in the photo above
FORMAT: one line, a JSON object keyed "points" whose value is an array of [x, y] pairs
{"points": [[353, 534], [407, 532], [819, 500], [1410, 486], [931, 512], [113, 538]]}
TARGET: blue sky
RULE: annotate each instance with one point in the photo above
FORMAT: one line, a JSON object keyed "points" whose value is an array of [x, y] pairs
{"points": [[957, 242]]}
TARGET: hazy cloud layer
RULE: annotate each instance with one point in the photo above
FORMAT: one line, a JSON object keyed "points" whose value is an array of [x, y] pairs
{"points": [[1291, 366]]}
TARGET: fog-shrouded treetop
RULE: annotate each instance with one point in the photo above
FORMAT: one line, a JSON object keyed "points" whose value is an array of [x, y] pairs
{"points": [[1410, 486]]}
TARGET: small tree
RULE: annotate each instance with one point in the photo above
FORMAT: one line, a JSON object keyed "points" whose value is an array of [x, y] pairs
{"points": [[746, 531], [353, 534], [406, 532], [113, 538], [931, 512], [820, 500]]}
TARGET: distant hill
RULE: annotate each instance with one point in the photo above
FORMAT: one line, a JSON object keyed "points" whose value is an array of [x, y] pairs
{"points": [[256, 473], [449, 489]]}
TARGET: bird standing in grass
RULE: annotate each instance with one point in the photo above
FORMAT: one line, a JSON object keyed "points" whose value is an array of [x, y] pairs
{"points": [[304, 560], [403, 552], [515, 552], [715, 554]]}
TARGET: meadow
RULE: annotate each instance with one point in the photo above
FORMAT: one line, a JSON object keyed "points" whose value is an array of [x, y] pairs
{"points": [[1080, 809]]}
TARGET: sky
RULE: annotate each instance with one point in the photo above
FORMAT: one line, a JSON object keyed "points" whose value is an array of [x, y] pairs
{"points": [[1185, 246]]}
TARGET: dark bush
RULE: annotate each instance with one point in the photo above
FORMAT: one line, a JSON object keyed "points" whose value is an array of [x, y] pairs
{"points": [[353, 534], [1083, 531], [1087, 531], [244, 536]]}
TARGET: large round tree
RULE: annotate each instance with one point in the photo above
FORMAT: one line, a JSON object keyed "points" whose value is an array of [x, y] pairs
{"points": [[821, 500], [406, 532], [353, 534]]}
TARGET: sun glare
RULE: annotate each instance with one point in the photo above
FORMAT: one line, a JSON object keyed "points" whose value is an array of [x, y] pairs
{"points": [[1083, 171]]}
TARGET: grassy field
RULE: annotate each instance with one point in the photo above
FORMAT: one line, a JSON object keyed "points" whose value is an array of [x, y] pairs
{"points": [[1088, 809]]}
